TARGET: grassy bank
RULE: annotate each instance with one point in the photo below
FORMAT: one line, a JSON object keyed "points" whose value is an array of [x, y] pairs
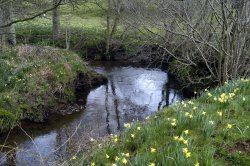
{"points": [[209, 130], [34, 79]]}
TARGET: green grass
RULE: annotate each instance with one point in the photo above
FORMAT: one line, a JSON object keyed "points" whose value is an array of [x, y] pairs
{"points": [[210, 139], [86, 22], [33, 78], [87, 26]]}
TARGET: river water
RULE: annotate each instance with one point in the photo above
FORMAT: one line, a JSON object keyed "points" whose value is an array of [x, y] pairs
{"points": [[131, 94]]}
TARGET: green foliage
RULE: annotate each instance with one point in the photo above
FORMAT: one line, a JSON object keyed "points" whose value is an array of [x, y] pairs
{"points": [[204, 130], [7, 119]]}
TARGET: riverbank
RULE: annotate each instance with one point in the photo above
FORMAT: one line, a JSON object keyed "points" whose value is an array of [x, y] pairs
{"points": [[34, 80], [212, 129]]}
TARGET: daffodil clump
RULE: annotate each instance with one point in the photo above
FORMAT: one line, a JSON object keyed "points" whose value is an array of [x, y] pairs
{"points": [[202, 131]]}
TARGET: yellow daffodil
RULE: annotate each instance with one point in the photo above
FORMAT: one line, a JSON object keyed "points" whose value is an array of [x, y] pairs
{"points": [[153, 150], [115, 140], [181, 139], [183, 104], [235, 90], [174, 120], [186, 132], [185, 142], [107, 156], [156, 117], [138, 128], [74, 158], [124, 161], [215, 99], [184, 150], [147, 118], [244, 99], [219, 113], [191, 116], [229, 126], [176, 138], [127, 125], [132, 136], [173, 124], [127, 154], [209, 94], [117, 158], [204, 113], [194, 108], [151, 164], [197, 164], [188, 154], [231, 95], [114, 164], [211, 122], [190, 102], [92, 164], [186, 113]]}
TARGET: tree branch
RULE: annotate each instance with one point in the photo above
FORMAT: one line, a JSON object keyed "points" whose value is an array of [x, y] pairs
{"points": [[32, 17]]}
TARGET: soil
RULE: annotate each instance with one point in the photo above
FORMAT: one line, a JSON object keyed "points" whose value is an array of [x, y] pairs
{"points": [[243, 146]]}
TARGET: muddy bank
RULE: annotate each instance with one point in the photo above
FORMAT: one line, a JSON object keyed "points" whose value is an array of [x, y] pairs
{"points": [[83, 83]]}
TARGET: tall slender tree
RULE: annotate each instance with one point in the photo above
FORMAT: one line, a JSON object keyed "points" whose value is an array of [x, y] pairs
{"points": [[12, 31], [2, 30], [56, 20]]}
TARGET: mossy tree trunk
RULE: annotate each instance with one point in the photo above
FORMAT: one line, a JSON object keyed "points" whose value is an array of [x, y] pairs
{"points": [[56, 21], [2, 30], [12, 31]]}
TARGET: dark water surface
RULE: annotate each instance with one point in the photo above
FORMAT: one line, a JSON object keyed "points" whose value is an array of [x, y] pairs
{"points": [[132, 93]]}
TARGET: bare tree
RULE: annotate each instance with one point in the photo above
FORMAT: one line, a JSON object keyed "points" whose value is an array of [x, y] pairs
{"points": [[208, 37]]}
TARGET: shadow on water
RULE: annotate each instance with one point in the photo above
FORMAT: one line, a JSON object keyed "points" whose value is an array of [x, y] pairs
{"points": [[132, 93]]}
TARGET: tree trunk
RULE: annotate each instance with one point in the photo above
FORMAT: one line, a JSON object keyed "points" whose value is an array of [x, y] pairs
{"points": [[12, 31], [108, 40], [68, 32], [56, 21], [2, 30]]}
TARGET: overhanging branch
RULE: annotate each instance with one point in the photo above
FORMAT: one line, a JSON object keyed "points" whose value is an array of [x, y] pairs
{"points": [[32, 17]]}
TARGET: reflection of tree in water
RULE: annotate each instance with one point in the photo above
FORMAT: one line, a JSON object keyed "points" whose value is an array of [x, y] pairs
{"points": [[61, 137], [11, 157], [166, 96], [116, 102], [107, 108]]}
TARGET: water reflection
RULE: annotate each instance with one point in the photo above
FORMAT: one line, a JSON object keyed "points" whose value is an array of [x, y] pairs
{"points": [[131, 94]]}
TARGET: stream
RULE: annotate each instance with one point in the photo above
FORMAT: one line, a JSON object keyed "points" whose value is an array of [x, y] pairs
{"points": [[131, 94]]}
